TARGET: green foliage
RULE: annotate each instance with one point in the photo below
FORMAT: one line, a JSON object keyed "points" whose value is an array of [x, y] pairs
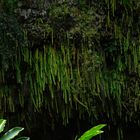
{"points": [[8, 6], [80, 58], [12, 133], [94, 131], [2, 124], [11, 36]]}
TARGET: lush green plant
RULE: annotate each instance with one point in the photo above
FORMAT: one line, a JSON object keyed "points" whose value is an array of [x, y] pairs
{"points": [[82, 58], [94, 131], [11, 133]]}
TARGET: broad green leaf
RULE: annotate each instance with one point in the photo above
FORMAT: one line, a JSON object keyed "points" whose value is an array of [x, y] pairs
{"points": [[2, 124], [11, 133], [23, 138], [92, 132]]}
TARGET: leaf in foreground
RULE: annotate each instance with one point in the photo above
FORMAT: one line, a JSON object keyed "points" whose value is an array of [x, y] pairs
{"points": [[2, 124], [96, 130], [11, 133]]}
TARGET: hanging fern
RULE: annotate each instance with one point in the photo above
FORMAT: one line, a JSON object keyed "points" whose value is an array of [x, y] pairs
{"points": [[73, 59]]}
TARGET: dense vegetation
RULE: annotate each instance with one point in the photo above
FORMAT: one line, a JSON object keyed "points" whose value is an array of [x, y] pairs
{"points": [[64, 60]]}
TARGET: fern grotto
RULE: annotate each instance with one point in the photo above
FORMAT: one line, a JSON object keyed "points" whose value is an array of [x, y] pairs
{"points": [[66, 65]]}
